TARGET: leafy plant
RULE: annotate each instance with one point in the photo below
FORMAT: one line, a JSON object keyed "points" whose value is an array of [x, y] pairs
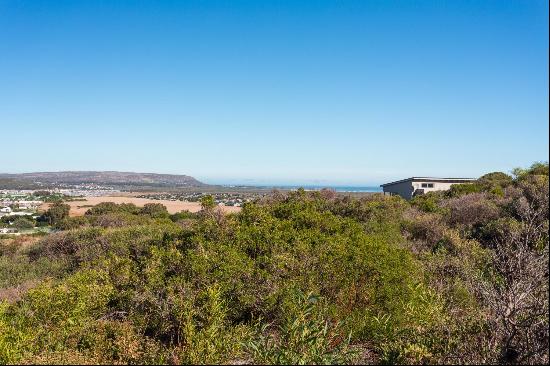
{"points": [[305, 338]]}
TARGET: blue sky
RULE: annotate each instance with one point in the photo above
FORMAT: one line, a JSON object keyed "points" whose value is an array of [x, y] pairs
{"points": [[298, 92]]}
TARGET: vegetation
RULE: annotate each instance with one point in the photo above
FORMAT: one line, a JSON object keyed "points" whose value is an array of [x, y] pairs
{"points": [[56, 213], [23, 223], [16, 220], [307, 277]]}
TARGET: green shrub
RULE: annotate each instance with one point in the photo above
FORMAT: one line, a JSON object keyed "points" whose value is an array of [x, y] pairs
{"points": [[51, 316], [305, 338], [458, 190], [17, 269], [404, 282], [56, 213], [206, 335], [415, 336], [430, 202], [183, 215], [110, 207], [71, 223], [154, 210], [22, 223], [496, 179]]}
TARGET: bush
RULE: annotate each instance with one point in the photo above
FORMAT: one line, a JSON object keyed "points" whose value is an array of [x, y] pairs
{"points": [[52, 316], [154, 210], [458, 190], [117, 219], [430, 281], [538, 168], [496, 179], [56, 213], [471, 210], [22, 223], [429, 202], [183, 215], [71, 223], [305, 338], [111, 207]]}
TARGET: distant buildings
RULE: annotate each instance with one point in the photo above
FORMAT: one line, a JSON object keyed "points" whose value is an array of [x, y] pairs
{"points": [[410, 187], [7, 230], [18, 213], [18, 203]]}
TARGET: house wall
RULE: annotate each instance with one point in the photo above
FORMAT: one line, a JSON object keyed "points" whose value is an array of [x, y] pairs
{"points": [[438, 186], [404, 189]]}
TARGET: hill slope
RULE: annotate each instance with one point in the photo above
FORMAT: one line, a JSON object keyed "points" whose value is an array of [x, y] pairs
{"points": [[107, 178]]}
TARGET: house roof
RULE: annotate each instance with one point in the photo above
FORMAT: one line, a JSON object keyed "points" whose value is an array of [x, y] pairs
{"points": [[430, 179]]}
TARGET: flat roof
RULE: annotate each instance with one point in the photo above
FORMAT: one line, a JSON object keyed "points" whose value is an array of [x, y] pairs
{"points": [[431, 179]]}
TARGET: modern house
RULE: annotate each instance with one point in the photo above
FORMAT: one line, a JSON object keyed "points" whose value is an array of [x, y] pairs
{"points": [[410, 187]]}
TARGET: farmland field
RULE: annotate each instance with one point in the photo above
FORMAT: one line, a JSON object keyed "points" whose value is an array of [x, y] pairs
{"points": [[78, 208]]}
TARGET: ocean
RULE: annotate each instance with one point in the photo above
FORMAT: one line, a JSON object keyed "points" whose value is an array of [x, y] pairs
{"points": [[372, 189]]}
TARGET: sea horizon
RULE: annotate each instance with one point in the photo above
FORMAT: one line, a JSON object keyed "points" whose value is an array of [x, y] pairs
{"points": [[310, 187]]}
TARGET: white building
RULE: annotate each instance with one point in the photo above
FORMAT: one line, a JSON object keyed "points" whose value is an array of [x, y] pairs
{"points": [[5, 210], [25, 205], [21, 213], [410, 187]]}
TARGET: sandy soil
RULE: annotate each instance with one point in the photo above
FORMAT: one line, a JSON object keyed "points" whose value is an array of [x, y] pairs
{"points": [[78, 208]]}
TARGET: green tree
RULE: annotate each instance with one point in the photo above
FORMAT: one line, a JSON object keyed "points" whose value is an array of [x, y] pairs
{"points": [[207, 202], [23, 223], [103, 208], [57, 212], [494, 179], [155, 210], [538, 168], [183, 215]]}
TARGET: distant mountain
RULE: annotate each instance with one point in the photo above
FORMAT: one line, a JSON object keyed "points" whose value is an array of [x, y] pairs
{"points": [[107, 178]]}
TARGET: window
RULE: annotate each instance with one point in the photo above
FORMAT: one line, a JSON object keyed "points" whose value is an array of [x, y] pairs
{"points": [[427, 185]]}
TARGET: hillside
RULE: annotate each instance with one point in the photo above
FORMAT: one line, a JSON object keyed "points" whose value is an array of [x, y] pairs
{"points": [[109, 178], [450, 277]]}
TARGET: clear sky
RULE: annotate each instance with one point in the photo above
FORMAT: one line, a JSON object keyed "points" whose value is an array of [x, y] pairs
{"points": [[329, 92]]}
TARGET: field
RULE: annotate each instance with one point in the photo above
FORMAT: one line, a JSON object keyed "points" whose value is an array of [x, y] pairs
{"points": [[78, 208]]}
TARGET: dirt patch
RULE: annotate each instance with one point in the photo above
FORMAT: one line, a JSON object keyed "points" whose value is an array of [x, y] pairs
{"points": [[15, 293], [18, 243]]}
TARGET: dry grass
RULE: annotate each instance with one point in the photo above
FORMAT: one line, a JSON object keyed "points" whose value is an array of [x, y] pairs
{"points": [[15, 293], [78, 208]]}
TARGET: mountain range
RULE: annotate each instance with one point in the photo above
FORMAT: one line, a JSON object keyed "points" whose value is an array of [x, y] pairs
{"points": [[107, 178]]}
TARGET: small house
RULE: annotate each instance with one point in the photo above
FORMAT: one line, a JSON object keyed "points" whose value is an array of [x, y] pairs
{"points": [[410, 187]]}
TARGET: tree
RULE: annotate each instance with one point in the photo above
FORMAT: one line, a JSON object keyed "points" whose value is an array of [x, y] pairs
{"points": [[23, 223], [103, 208], [537, 168], [155, 210], [491, 180], [183, 215], [57, 212], [207, 202]]}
